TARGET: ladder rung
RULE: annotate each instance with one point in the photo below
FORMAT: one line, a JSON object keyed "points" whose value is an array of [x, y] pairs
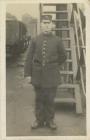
{"points": [[66, 86], [69, 60], [68, 49], [52, 4], [54, 12], [68, 38], [65, 100], [61, 20], [62, 29], [66, 72]]}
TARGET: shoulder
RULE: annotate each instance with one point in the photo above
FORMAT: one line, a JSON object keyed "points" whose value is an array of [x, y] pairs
{"points": [[57, 39]]}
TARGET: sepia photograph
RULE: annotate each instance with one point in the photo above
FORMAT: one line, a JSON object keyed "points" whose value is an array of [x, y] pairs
{"points": [[45, 69]]}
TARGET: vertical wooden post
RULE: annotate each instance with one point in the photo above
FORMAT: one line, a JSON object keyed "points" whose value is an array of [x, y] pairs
{"points": [[78, 99]]}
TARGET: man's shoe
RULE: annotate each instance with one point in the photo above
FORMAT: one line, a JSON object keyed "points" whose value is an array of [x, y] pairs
{"points": [[37, 124], [51, 125]]}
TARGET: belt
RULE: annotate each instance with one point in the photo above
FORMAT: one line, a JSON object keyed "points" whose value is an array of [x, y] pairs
{"points": [[38, 62]]}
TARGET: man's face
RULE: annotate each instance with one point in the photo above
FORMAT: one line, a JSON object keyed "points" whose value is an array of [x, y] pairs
{"points": [[46, 26]]}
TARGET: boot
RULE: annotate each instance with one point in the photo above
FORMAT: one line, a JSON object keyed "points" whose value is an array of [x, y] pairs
{"points": [[51, 124], [36, 124]]}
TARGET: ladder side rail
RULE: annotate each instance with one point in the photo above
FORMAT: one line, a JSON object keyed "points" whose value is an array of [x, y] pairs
{"points": [[81, 32], [76, 33], [83, 51], [79, 52], [74, 55], [82, 81]]}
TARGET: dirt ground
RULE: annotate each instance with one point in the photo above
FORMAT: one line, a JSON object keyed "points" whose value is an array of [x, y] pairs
{"points": [[20, 109]]}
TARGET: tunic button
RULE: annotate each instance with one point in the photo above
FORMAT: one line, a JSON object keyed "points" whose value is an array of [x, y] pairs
{"points": [[43, 53], [44, 56], [43, 48], [45, 41]]}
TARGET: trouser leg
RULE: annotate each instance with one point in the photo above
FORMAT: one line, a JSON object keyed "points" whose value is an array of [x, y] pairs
{"points": [[49, 105], [44, 103], [39, 104]]}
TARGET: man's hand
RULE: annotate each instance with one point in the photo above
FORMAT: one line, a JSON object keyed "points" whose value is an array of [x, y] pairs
{"points": [[28, 79]]}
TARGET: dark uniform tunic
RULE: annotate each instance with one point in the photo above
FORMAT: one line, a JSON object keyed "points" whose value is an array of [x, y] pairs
{"points": [[46, 54]]}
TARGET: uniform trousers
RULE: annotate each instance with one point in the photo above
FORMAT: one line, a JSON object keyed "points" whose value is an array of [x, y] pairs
{"points": [[44, 103]]}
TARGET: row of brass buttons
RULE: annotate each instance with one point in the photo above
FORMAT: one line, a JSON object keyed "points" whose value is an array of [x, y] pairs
{"points": [[44, 52]]}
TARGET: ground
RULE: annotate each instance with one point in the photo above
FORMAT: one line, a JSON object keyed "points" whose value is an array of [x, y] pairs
{"points": [[20, 109]]}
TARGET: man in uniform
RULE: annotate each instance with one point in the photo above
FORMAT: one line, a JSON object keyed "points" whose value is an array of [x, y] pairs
{"points": [[45, 56]]}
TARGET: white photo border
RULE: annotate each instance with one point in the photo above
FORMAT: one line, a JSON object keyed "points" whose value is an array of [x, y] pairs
{"points": [[3, 4]]}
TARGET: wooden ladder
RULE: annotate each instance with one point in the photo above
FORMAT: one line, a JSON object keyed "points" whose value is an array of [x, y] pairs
{"points": [[68, 86]]}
